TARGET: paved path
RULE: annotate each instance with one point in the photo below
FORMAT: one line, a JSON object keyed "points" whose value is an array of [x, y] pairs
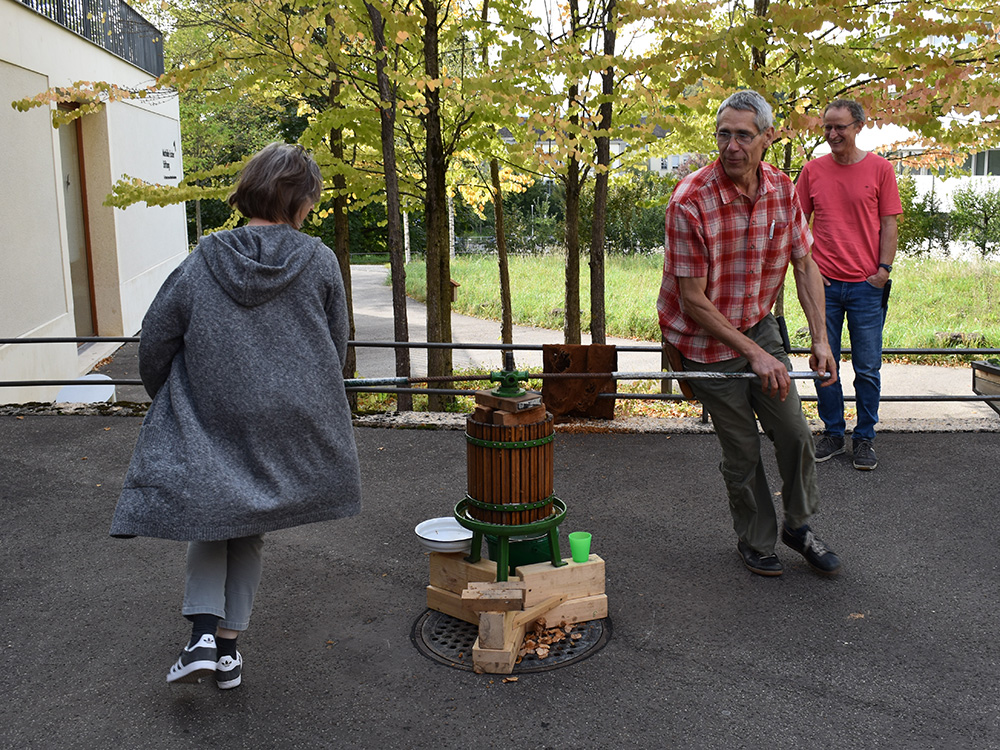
{"points": [[373, 322]]}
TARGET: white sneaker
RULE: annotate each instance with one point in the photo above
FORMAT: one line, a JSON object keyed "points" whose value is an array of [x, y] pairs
{"points": [[229, 671], [195, 661]]}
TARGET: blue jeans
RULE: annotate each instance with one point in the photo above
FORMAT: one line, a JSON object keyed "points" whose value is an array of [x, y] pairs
{"points": [[222, 579], [862, 304]]}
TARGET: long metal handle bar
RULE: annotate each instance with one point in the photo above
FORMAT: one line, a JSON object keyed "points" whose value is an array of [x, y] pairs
{"points": [[664, 375], [369, 385], [472, 346], [357, 383]]}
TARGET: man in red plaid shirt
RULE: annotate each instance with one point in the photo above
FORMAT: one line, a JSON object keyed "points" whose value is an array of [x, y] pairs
{"points": [[732, 229]]}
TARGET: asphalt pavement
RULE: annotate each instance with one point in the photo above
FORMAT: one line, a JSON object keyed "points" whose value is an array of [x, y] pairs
{"points": [[898, 651]]}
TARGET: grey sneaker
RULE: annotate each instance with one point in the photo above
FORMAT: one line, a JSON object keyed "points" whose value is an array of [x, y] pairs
{"points": [[829, 446], [229, 672], [195, 661], [864, 455]]}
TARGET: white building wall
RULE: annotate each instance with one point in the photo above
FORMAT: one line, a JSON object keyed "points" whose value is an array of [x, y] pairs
{"points": [[132, 250]]}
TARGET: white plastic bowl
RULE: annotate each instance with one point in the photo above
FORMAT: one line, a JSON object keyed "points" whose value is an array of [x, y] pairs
{"points": [[443, 535]]}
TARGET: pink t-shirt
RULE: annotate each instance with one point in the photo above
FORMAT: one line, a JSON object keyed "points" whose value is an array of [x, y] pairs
{"points": [[847, 203]]}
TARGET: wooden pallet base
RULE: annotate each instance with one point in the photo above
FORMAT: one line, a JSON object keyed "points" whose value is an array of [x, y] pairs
{"points": [[569, 594]]}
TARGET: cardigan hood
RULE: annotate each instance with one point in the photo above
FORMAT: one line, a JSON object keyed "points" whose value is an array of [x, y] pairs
{"points": [[254, 265]]}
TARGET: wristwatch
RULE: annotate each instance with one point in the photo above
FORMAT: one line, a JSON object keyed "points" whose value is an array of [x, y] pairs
{"points": [[886, 266]]}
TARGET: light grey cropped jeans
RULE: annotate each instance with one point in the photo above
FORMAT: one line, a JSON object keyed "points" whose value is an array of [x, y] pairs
{"points": [[222, 579]]}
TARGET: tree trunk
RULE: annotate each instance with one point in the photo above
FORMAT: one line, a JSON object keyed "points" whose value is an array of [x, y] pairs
{"points": [[572, 324], [598, 323], [436, 212], [506, 316], [571, 331], [397, 264], [341, 244]]}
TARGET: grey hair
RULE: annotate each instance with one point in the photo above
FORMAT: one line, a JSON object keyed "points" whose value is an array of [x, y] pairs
{"points": [[856, 110], [749, 101]]}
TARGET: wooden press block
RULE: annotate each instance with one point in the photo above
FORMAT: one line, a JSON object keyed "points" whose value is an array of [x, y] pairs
{"points": [[450, 571], [494, 596], [497, 661], [483, 414], [577, 580], [528, 400], [578, 610], [450, 603], [495, 628], [528, 416]]}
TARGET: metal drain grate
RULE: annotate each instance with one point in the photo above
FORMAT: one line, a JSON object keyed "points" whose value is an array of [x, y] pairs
{"points": [[448, 640]]}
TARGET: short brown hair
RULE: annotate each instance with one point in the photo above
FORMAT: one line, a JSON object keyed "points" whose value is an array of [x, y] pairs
{"points": [[276, 183]]}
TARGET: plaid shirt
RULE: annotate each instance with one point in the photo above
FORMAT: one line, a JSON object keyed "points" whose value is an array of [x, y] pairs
{"points": [[743, 249]]}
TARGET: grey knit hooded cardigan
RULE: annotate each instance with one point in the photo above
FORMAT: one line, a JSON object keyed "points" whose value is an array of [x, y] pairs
{"points": [[250, 430]]}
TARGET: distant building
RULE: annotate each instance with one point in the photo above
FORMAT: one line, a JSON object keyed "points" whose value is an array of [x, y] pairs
{"points": [[984, 164], [983, 168], [69, 265]]}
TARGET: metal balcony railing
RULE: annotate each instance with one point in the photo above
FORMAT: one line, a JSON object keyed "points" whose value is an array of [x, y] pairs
{"points": [[111, 24]]}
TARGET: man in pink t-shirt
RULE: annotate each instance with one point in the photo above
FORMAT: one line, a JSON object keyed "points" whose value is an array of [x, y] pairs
{"points": [[854, 203]]}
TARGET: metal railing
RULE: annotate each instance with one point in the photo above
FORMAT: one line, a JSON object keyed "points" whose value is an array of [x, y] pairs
{"points": [[111, 24], [380, 387]]}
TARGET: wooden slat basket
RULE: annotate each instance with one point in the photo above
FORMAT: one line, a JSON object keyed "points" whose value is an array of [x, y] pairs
{"points": [[510, 465]]}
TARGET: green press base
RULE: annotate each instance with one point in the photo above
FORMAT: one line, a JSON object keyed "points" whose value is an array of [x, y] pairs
{"points": [[503, 533]]}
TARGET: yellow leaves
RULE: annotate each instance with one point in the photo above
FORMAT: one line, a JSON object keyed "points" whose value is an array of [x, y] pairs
{"points": [[298, 47], [402, 36]]}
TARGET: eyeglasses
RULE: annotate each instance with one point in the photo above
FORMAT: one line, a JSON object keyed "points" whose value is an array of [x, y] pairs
{"points": [[839, 128], [722, 137]]}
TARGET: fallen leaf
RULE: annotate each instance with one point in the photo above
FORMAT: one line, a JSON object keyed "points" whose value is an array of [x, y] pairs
{"points": [[509, 679], [856, 616]]}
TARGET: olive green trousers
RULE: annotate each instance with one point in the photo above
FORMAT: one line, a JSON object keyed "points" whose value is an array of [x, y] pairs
{"points": [[735, 406]]}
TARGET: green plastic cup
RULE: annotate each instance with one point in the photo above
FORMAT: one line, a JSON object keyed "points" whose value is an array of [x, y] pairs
{"points": [[579, 545]]}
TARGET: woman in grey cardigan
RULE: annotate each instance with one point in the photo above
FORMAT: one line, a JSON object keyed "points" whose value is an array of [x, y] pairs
{"points": [[249, 430]]}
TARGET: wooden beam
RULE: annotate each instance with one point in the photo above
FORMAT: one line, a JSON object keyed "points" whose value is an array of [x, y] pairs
{"points": [[494, 596], [577, 580], [528, 616], [451, 571]]}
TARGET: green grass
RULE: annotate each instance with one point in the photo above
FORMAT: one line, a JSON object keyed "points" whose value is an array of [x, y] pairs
{"points": [[538, 289], [929, 298]]}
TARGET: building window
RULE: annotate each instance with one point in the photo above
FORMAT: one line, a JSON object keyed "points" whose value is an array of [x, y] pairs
{"points": [[993, 162]]}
